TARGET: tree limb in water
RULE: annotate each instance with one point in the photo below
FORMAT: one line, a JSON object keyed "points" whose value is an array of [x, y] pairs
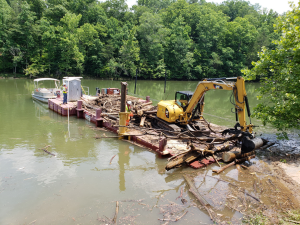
{"points": [[234, 162], [45, 150], [178, 218], [112, 159], [195, 192], [114, 221]]}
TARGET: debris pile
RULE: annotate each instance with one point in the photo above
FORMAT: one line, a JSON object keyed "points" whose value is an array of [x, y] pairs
{"points": [[110, 106], [196, 148]]}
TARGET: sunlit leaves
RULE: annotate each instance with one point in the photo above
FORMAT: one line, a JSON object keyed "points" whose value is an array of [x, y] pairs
{"points": [[279, 71]]}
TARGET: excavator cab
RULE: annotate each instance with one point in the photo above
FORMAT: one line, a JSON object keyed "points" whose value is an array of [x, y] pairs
{"points": [[182, 98]]}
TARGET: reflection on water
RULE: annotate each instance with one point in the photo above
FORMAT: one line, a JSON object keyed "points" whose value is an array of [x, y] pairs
{"points": [[80, 183], [124, 158]]}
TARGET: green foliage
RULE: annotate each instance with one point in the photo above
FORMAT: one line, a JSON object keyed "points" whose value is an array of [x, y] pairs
{"points": [[258, 219], [279, 71], [152, 35], [184, 39], [128, 57]]}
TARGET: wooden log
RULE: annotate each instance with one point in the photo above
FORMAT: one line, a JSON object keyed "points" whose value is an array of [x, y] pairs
{"points": [[216, 160], [123, 96], [195, 192], [204, 139], [139, 112], [230, 156], [142, 121], [145, 104], [225, 147], [203, 151], [112, 117], [175, 163], [224, 167], [150, 112], [238, 166], [234, 162], [85, 103], [192, 158]]}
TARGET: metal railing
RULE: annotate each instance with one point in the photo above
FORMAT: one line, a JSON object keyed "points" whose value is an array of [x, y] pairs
{"points": [[85, 90]]}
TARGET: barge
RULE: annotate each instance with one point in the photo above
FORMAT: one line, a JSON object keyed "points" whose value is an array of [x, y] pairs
{"points": [[184, 148]]}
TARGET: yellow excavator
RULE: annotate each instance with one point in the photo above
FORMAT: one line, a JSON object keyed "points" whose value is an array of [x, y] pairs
{"points": [[188, 107], [186, 111]]}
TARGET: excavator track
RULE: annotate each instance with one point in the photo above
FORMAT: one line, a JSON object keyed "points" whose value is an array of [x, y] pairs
{"points": [[157, 122]]}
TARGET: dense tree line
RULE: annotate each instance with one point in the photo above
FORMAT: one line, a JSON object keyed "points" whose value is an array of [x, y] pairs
{"points": [[185, 39], [278, 69]]}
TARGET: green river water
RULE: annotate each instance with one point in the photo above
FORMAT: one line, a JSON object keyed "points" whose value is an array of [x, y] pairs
{"points": [[79, 185]]}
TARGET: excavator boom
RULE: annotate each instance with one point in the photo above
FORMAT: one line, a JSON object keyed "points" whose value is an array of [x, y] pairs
{"points": [[182, 110]]}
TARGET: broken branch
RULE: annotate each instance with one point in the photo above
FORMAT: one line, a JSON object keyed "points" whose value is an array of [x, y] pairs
{"points": [[112, 159], [116, 214]]}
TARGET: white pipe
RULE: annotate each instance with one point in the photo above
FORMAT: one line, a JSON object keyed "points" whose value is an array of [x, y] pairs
{"points": [[68, 119], [68, 91]]}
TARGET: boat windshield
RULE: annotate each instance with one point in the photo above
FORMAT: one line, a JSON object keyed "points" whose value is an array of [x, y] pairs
{"points": [[46, 83]]}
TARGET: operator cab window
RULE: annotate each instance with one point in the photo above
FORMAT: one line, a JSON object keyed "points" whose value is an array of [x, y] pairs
{"points": [[181, 99]]}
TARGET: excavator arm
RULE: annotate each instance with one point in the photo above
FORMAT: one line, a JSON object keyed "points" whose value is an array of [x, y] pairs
{"points": [[240, 96]]}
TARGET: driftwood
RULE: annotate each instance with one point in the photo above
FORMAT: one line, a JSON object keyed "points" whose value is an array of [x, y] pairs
{"points": [[150, 112], [142, 121], [238, 166], [205, 139], [112, 159], [203, 151], [180, 196], [85, 103], [145, 104], [238, 188], [225, 147], [112, 117], [188, 157], [178, 218], [192, 154], [234, 162], [216, 160], [232, 155], [114, 221], [195, 192], [224, 167], [45, 150]]}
